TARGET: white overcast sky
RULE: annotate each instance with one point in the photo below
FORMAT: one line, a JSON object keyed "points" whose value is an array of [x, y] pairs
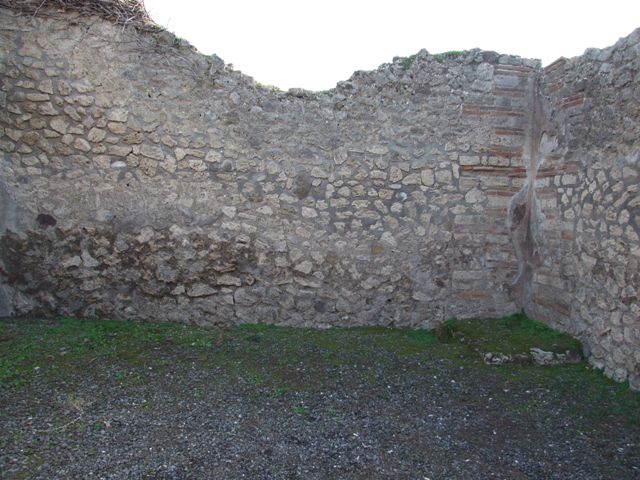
{"points": [[313, 45]]}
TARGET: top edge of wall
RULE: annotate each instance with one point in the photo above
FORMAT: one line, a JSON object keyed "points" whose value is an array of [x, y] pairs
{"points": [[132, 17]]}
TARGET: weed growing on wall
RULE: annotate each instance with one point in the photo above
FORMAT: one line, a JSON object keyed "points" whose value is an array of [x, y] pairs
{"points": [[440, 57]]}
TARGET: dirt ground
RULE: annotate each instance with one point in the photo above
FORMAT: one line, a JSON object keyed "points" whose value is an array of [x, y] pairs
{"points": [[115, 400]]}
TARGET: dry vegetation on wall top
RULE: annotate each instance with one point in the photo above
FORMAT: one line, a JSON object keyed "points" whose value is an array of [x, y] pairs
{"points": [[122, 12]]}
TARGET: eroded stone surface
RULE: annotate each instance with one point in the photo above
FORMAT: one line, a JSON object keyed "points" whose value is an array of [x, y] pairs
{"points": [[182, 190]]}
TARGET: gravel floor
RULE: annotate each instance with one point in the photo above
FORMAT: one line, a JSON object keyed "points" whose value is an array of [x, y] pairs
{"points": [[173, 411]]}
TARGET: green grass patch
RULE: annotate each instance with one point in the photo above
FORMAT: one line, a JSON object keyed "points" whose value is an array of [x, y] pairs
{"points": [[464, 341], [510, 334], [30, 347], [283, 360], [301, 410], [440, 57], [408, 61]]}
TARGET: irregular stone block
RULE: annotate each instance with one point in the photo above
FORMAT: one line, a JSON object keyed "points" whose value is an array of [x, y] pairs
{"points": [[200, 290], [118, 115]]}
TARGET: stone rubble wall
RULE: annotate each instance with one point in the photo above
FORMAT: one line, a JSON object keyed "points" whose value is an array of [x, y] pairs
{"points": [[140, 179], [589, 189]]}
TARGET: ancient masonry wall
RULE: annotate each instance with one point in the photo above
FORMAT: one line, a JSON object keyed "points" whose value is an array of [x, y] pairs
{"points": [[589, 187], [141, 179]]}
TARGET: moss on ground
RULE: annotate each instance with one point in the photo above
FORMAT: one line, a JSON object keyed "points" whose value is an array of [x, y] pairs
{"points": [[280, 360], [31, 347], [508, 335]]}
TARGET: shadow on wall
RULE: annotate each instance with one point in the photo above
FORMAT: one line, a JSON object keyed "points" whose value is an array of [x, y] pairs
{"points": [[146, 180]]}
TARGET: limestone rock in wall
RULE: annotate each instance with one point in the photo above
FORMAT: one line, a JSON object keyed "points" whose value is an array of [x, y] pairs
{"points": [[172, 188]]}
